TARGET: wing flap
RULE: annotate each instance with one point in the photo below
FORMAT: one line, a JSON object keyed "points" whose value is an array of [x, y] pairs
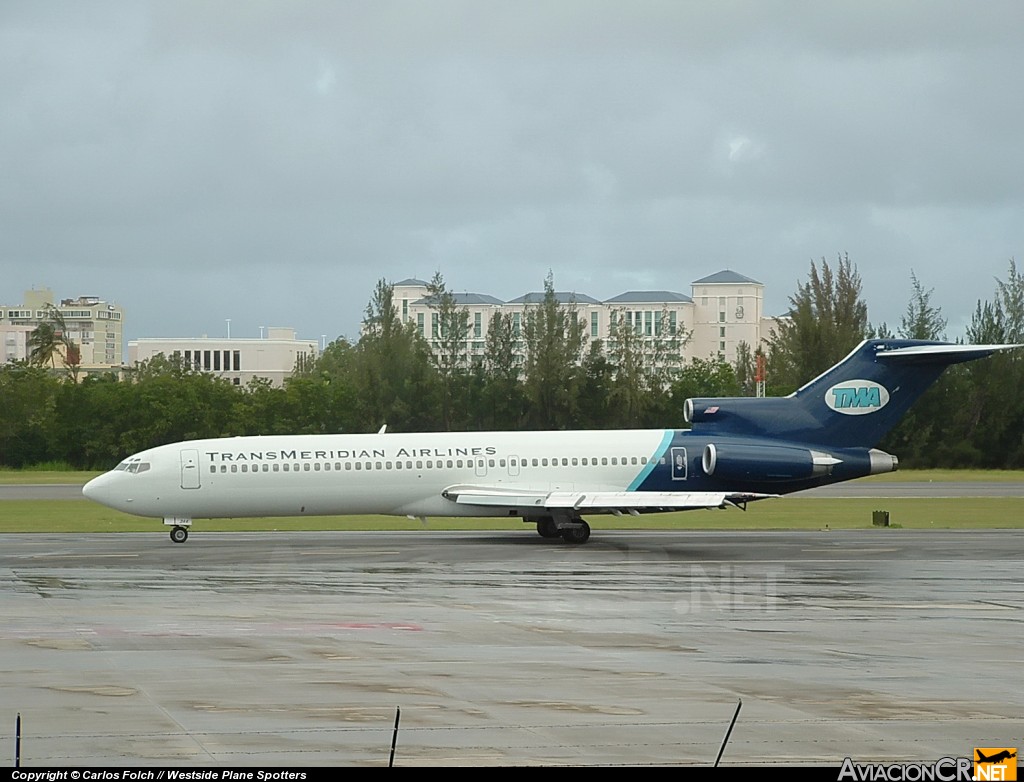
{"points": [[597, 501]]}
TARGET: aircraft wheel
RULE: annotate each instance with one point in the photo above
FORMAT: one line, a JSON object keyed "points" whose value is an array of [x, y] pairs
{"points": [[179, 534], [578, 533], [546, 528]]}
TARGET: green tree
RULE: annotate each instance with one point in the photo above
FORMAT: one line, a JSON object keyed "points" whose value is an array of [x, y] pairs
{"points": [[394, 381], [917, 439], [646, 355], [705, 377], [989, 412], [553, 336], [451, 330], [827, 318], [27, 396], [503, 398], [922, 320]]}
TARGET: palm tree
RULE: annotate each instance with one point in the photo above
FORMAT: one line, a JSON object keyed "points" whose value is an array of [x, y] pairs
{"points": [[50, 339]]}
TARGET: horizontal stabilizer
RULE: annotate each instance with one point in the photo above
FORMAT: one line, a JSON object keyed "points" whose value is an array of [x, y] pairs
{"points": [[944, 353]]}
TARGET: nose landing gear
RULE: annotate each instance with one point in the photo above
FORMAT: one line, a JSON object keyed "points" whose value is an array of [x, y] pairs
{"points": [[179, 527]]}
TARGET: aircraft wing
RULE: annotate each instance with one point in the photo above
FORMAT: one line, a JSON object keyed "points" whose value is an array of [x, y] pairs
{"points": [[614, 502]]}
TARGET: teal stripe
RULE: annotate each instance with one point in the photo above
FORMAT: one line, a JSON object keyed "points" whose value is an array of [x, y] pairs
{"points": [[666, 440]]}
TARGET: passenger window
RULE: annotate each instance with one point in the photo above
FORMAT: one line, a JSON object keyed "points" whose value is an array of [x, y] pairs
{"points": [[277, 468], [306, 466], [575, 462], [316, 466], [419, 465], [213, 468], [604, 460], [234, 468], [285, 467], [501, 463], [359, 465], [565, 462], [491, 462], [223, 468], [398, 465], [387, 465]]}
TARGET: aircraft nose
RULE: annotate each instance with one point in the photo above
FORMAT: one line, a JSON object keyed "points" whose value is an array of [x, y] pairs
{"points": [[98, 489]]}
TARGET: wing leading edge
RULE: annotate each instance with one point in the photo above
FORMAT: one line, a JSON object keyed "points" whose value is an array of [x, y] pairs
{"points": [[614, 502]]}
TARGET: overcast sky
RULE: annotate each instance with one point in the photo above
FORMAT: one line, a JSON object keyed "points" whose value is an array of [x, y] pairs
{"points": [[268, 162]]}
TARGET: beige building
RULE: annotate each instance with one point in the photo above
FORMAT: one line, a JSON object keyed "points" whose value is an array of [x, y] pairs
{"points": [[725, 309], [273, 357], [96, 326]]}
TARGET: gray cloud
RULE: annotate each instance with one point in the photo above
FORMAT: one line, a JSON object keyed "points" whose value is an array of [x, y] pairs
{"points": [[269, 161]]}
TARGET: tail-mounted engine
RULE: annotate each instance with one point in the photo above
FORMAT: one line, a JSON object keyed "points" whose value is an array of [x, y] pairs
{"points": [[765, 463]]}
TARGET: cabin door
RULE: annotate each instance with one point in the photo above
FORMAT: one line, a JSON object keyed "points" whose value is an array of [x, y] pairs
{"points": [[189, 468]]}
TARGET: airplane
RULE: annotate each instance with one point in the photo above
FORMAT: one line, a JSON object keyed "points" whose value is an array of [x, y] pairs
{"points": [[737, 450], [996, 758]]}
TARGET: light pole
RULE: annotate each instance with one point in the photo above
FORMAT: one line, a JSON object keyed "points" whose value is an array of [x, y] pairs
{"points": [[229, 327]]}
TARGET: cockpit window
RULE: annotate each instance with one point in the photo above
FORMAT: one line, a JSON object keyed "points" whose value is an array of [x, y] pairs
{"points": [[121, 467], [134, 466], [143, 466]]}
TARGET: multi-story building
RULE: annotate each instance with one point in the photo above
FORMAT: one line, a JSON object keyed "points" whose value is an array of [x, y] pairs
{"points": [[724, 310], [273, 357], [94, 325]]}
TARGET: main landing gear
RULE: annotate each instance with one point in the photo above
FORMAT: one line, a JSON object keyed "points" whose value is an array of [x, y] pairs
{"points": [[179, 534], [571, 530]]}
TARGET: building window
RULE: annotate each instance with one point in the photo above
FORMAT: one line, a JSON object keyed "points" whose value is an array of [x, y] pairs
{"points": [[419, 322], [648, 323], [593, 324], [517, 322], [237, 355], [721, 332], [721, 317], [216, 361], [477, 325]]}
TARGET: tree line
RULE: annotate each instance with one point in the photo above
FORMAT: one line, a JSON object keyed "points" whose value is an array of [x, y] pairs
{"points": [[542, 373]]}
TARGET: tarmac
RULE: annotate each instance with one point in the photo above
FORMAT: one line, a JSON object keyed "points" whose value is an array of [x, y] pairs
{"points": [[506, 649]]}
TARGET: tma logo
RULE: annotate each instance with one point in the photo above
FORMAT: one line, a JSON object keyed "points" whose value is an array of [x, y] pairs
{"points": [[857, 397]]}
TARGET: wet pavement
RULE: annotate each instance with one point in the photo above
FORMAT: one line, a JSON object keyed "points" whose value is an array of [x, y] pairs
{"points": [[502, 648]]}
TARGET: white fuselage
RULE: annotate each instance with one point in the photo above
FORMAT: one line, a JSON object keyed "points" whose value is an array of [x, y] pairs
{"points": [[394, 474]]}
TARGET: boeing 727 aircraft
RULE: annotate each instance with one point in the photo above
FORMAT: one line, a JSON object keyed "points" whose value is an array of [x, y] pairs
{"points": [[737, 450]]}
